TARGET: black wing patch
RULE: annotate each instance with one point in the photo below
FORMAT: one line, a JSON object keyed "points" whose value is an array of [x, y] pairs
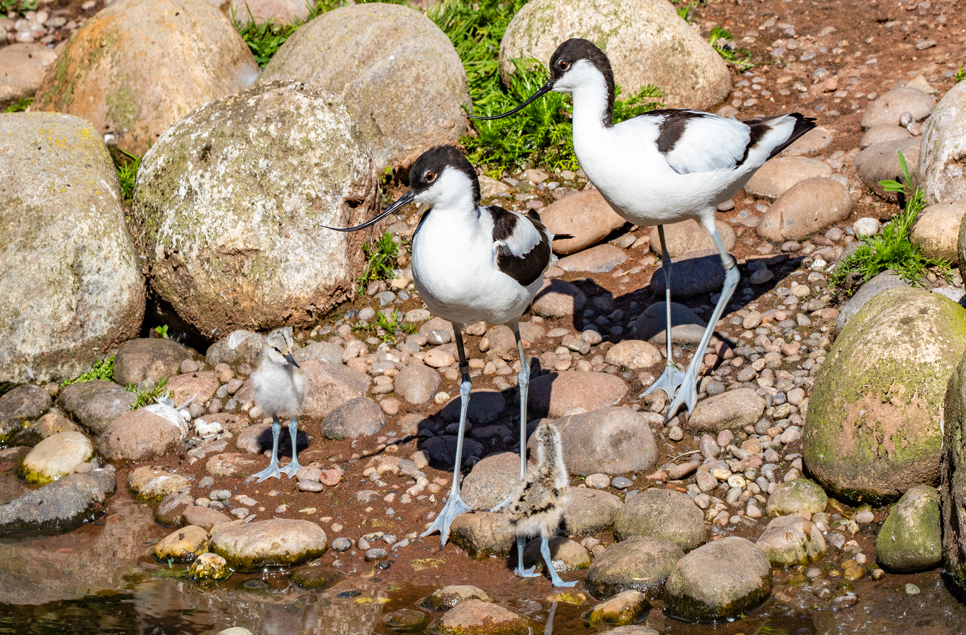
{"points": [[762, 125], [525, 269], [672, 128]]}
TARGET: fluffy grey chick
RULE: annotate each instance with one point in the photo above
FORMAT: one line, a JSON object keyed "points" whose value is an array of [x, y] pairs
{"points": [[539, 504], [279, 390]]}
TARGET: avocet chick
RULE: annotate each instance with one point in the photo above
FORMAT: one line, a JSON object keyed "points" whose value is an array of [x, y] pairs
{"points": [[541, 500], [279, 390]]}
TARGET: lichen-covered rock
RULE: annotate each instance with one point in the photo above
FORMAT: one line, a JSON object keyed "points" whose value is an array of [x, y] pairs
{"points": [[56, 456], [792, 540], [20, 405], [230, 204], [798, 495], [476, 617], [138, 66], [211, 566], [623, 609], [86, 293], [874, 422], [398, 73], [183, 545], [641, 564], [269, 543], [718, 581], [647, 43], [911, 537], [662, 513], [952, 490], [943, 149], [61, 506], [449, 596], [154, 484]]}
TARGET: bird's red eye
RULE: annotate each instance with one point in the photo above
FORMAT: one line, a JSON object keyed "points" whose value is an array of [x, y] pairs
{"points": [[430, 177], [563, 65]]}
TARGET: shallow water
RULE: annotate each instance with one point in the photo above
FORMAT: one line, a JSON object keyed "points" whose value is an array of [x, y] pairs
{"points": [[270, 605]]}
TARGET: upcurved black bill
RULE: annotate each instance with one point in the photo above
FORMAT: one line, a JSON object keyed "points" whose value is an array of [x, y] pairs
{"points": [[546, 88], [405, 199]]}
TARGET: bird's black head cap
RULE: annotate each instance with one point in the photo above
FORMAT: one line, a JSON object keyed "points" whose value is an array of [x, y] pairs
{"points": [[576, 49], [431, 164]]}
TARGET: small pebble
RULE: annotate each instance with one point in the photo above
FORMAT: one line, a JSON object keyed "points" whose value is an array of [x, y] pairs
{"points": [[341, 544]]}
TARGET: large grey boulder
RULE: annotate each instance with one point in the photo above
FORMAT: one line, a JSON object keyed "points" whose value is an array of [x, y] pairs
{"points": [[60, 506], [646, 41], [63, 230], [911, 537], [874, 422], [718, 581], [609, 440], [230, 205], [399, 75], [662, 513], [138, 66], [882, 282], [943, 149], [952, 490]]}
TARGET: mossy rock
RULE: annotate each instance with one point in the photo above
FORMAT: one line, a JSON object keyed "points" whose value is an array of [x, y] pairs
{"points": [[952, 491], [961, 243], [874, 422], [269, 543], [795, 496], [911, 537]]}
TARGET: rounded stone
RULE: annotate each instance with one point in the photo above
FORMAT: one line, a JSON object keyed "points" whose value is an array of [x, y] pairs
{"points": [[590, 512], [887, 108], [379, 54], [407, 621], [211, 566], [417, 383], [873, 428], [791, 541], [170, 512], [262, 11], [491, 481], [86, 293], [56, 456], [24, 64], [806, 208], [911, 537], [137, 67], [449, 596], [20, 405], [882, 133], [139, 435], [633, 355], [612, 441], [798, 495], [355, 418], [779, 174], [565, 554], [662, 513], [585, 216], [558, 298], [246, 159], [48, 425], [651, 325], [154, 484], [718, 581], [641, 564], [204, 517], [149, 358], [694, 273], [882, 282], [689, 235], [937, 230], [645, 41], [59, 507], [730, 410], [880, 162], [485, 406], [483, 534], [940, 159], [476, 617], [316, 578], [269, 543], [599, 259], [182, 546], [554, 394]]}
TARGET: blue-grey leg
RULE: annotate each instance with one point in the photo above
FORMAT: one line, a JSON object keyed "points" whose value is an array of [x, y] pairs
{"points": [[523, 379], [688, 394], [672, 376], [520, 571], [294, 466], [548, 629], [272, 470], [455, 505], [554, 578]]}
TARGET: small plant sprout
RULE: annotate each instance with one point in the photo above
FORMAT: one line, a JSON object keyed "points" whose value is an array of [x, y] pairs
{"points": [[891, 248], [148, 397], [162, 331], [720, 40], [20, 105], [102, 369], [960, 75], [127, 174], [392, 323], [381, 261]]}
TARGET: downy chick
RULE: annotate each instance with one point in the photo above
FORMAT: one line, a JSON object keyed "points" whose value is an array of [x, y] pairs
{"points": [[279, 390], [540, 502]]}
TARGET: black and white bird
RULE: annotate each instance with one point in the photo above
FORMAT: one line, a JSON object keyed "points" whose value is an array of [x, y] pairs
{"points": [[279, 390], [471, 264], [541, 500], [664, 166]]}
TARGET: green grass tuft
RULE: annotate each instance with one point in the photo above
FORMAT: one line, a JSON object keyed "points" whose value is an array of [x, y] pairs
{"points": [[960, 75], [103, 369], [891, 248], [720, 40], [147, 397], [381, 263], [20, 7], [20, 105], [393, 324], [127, 175]]}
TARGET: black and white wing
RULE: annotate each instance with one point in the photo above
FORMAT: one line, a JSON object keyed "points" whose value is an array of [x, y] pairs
{"points": [[694, 141], [521, 244]]}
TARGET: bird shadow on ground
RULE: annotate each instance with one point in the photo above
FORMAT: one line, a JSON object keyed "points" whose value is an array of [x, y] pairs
{"points": [[264, 441]]}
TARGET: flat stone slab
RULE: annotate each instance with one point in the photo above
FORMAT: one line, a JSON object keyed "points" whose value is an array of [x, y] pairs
{"points": [[269, 543], [56, 456], [613, 440], [59, 507], [554, 394], [154, 484]]}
